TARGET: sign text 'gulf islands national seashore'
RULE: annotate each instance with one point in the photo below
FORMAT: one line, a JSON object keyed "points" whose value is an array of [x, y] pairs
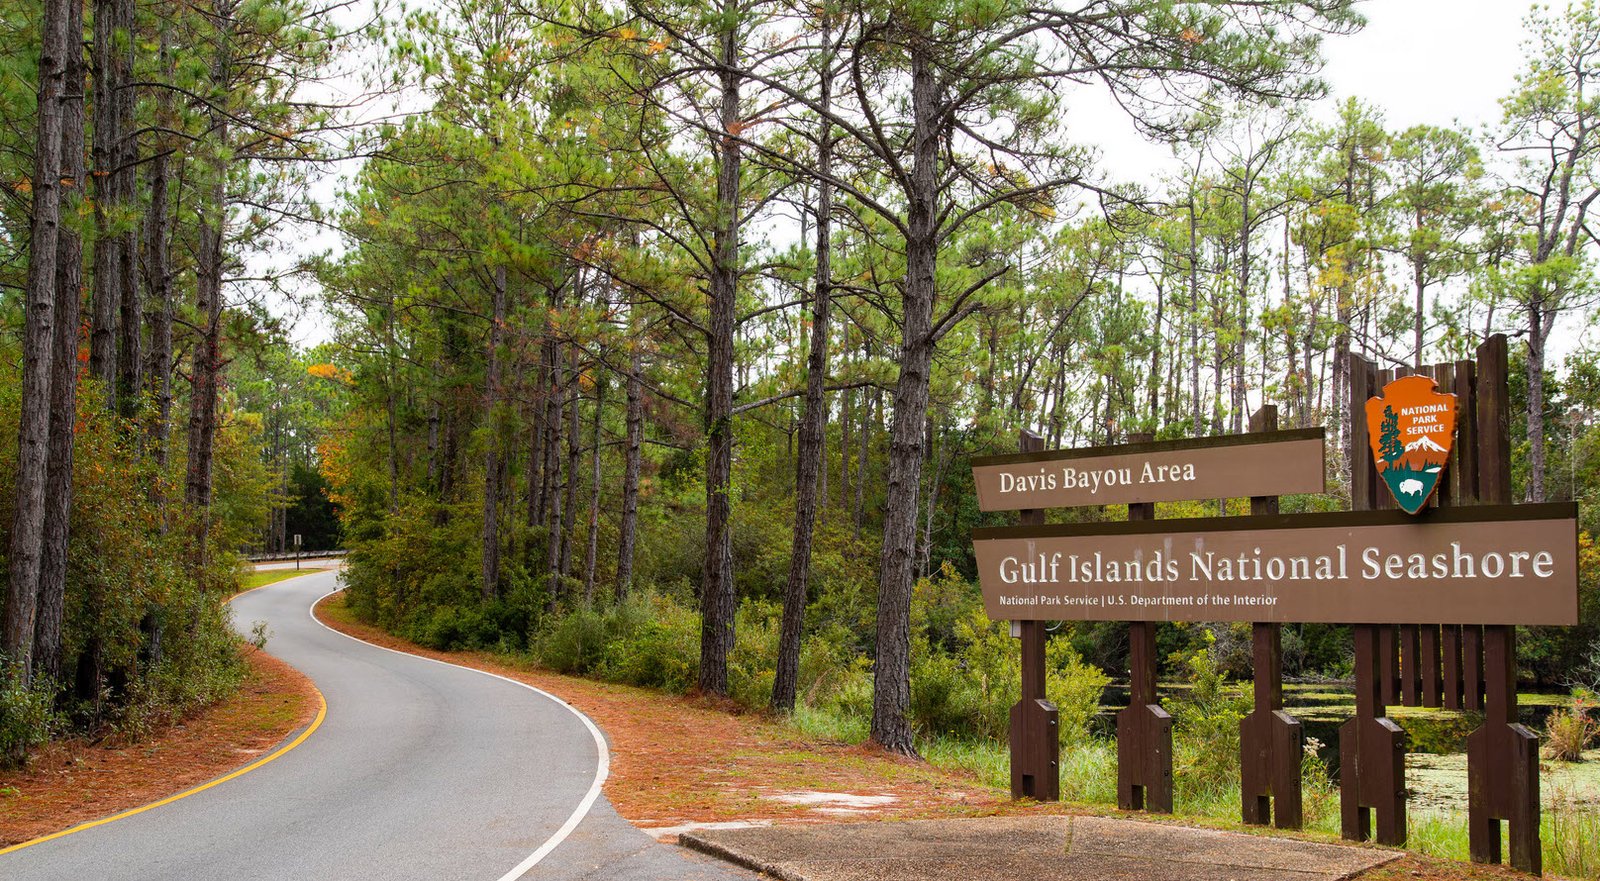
{"points": [[1510, 564]]}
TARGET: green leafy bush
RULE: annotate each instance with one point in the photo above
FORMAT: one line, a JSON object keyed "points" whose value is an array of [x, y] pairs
{"points": [[1206, 725], [656, 644], [25, 717]]}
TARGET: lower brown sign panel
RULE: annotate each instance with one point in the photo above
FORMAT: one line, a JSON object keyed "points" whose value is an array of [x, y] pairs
{"points": [[1513, 564]]}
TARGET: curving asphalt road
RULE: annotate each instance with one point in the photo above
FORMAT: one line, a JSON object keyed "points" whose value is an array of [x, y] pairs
{"points": [[420, 770]]}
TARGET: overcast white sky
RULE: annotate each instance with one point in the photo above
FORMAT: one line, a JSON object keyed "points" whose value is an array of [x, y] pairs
{"points": [[1419, 61]]}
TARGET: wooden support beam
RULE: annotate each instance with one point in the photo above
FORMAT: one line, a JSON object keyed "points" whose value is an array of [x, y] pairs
{"points": [[1502, 755], [1271, 742], [1372, 797], [1035, 723], [1144, 729]]}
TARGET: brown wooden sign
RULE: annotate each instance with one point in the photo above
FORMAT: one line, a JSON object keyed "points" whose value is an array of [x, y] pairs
{"points": [[1468, 565], [1231, 466]]}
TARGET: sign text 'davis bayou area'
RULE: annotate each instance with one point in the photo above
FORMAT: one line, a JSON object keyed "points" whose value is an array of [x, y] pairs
{"points": [[1272, 463]]}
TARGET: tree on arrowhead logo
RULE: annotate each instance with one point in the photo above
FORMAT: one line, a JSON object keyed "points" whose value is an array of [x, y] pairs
{"points": [[1411, 428]]}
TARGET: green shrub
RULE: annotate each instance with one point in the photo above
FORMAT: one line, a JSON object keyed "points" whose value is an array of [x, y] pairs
{"points": [[947, 698], [575, 642], [1076, 689], [25, 717], [656, 645], [1206, 726], [1570, 729], [753, 663]]}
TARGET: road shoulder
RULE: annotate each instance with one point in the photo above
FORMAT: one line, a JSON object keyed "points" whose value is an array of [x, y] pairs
{"points": [[74, 781]]}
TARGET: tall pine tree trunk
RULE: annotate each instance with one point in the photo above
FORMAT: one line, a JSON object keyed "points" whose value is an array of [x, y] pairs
{"points": [[716, 591], [535, 467], [1540, 322], [158, 279], [891, 695], [569, 515], [206, 359], [553, 539], [47, 659], [38, 348], [491, 456], [592, 551], [129, 346], [628, 529], [106, 154], [814, 421]]}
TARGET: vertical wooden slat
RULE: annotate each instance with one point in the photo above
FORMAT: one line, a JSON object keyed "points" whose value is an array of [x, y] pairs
{"points": [[1464, 472], [1472, 667], [1389, 664], [1388, 635], [1432, 680], [1464, 468], [1436, 663], [1450, 645], [1361, 470], [1444, 377], [1410, 665]]}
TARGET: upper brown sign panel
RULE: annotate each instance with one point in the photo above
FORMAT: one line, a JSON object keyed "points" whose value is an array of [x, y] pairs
{"points": [[1503, 564], [1231, 466]]}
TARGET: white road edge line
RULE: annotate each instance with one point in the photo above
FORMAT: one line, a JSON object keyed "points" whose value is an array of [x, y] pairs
{"points": [[601, 772]]}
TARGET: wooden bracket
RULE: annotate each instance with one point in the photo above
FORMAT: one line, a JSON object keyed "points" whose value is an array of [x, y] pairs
{"points": [[1271, 744], [1144, 731], [1372, 756], [1503, 766]]}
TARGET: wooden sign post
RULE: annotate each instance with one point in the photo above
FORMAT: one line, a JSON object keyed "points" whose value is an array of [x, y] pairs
{"points": [[1372, 748], [1144, 729], [1502, 755], [1035, 723], [1271, 743]]}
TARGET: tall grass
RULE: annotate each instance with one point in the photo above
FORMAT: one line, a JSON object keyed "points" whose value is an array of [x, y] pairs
{"points": [[1569, 832]]}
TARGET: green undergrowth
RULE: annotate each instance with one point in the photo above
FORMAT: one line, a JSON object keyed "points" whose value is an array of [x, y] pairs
{"points": [[1569, 835]]}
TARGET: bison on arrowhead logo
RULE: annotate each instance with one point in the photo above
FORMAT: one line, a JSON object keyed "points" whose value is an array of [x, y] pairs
{"points": [[1411, 428]]}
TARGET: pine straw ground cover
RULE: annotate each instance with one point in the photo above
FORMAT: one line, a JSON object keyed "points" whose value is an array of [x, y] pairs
{"points": [[684, 760], [74, 781]]}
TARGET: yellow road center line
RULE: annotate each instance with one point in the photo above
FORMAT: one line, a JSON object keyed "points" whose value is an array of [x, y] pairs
{"points": [[322, 713]]}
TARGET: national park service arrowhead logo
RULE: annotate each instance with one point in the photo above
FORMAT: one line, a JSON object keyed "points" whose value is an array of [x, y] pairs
{"points": [[1411, 429]]}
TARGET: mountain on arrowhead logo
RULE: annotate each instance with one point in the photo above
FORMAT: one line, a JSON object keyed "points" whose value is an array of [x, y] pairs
{"points": [[1411, 428]]}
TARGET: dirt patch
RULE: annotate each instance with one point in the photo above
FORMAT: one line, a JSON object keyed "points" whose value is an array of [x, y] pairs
{"points": [[1412, 868], [75, 781]]}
